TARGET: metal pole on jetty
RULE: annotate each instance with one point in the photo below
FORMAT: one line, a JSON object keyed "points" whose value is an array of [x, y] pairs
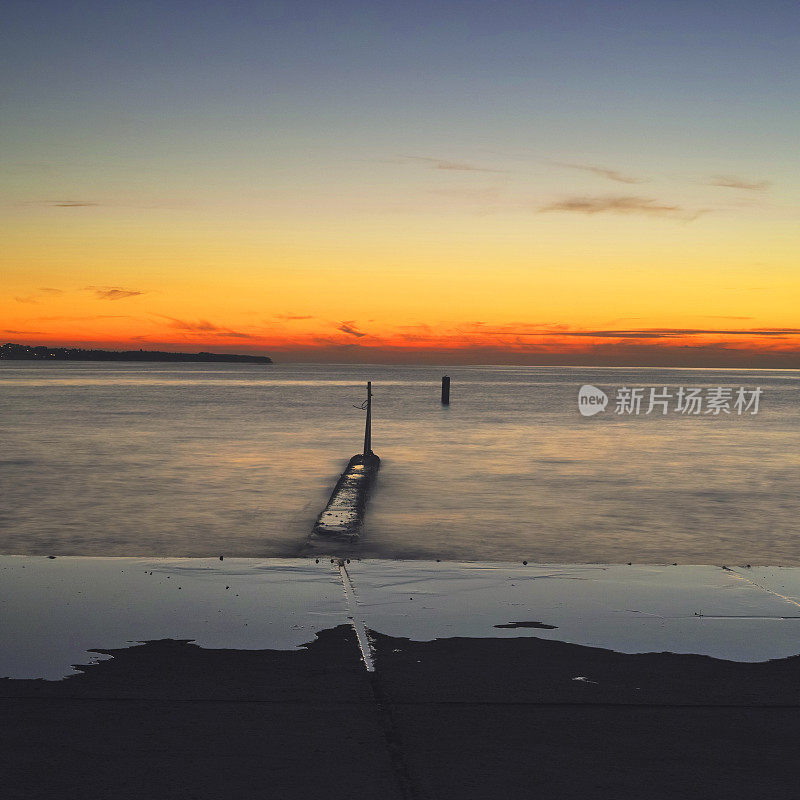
{"points": [[342, 517], [368, 426]]}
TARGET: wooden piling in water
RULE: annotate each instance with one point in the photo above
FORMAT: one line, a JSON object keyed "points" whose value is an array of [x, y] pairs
{"points": [[446, 390]]}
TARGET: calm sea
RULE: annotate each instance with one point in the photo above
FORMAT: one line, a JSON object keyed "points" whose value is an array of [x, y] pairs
{"points": [[197, 460]]}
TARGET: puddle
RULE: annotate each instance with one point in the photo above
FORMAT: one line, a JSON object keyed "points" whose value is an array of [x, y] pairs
{"points": [[540, 625]]}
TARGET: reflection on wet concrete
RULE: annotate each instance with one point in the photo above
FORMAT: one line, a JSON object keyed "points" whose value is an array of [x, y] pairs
{"points": [[56, 613], [632, 609], [53, 612]]}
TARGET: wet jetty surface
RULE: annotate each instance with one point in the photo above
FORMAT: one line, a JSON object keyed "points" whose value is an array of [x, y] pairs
{"points": [[344, 513], [272, 698]]}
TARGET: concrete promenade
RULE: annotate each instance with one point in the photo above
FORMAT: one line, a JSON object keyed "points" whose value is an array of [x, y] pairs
{"points": [[249, 678]]}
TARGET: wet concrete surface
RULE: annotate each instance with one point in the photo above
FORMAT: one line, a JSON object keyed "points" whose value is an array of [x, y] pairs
{"points": [[632, 693], [53, 612], [342, 516]]}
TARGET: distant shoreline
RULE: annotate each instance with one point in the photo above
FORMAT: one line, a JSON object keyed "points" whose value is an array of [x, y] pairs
{"points": [[21, 352]]}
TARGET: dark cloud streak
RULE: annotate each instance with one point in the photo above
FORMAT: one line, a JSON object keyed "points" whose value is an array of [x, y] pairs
{"points": [[348, 327], [203, 326], [733, 182], [649, 333], [69, 203], [603, 172], [446, 164], [113, 292], [621, 205]]}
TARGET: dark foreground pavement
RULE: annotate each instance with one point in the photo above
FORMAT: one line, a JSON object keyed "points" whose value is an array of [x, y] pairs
{"points": [[454, 718]]}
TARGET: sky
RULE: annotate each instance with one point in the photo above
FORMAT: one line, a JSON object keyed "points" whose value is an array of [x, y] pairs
{"points": [[581, 182]]}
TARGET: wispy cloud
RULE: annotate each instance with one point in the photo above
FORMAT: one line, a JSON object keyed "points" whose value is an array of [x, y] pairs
{"points": [[190, 325], [202, 326], [348, 327], [446, 164], [733, 182], [648, 333], [89, 318], [603, 172], [69, 203], [622, 205], [113, 292], [290, 317], [43, 291]]}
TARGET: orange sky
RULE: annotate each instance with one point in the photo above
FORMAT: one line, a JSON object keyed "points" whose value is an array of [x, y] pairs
{"points": [[513, 286], [372, 188]]}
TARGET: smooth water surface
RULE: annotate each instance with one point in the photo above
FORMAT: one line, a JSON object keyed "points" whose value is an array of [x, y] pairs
{"points": [[197, 460]]}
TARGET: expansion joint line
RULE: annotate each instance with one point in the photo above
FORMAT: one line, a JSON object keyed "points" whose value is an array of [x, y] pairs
{"points": [[358, 623], [406, 786]]}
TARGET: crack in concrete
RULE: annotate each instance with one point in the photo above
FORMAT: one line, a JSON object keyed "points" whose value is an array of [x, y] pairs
{"points": [[764, 589]]}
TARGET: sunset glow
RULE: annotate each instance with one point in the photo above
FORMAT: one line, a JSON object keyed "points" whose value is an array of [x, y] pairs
{"points": [[447, 185]]}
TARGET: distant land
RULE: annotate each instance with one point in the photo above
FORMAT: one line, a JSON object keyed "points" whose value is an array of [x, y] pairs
{"points": [[23, 352]]}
